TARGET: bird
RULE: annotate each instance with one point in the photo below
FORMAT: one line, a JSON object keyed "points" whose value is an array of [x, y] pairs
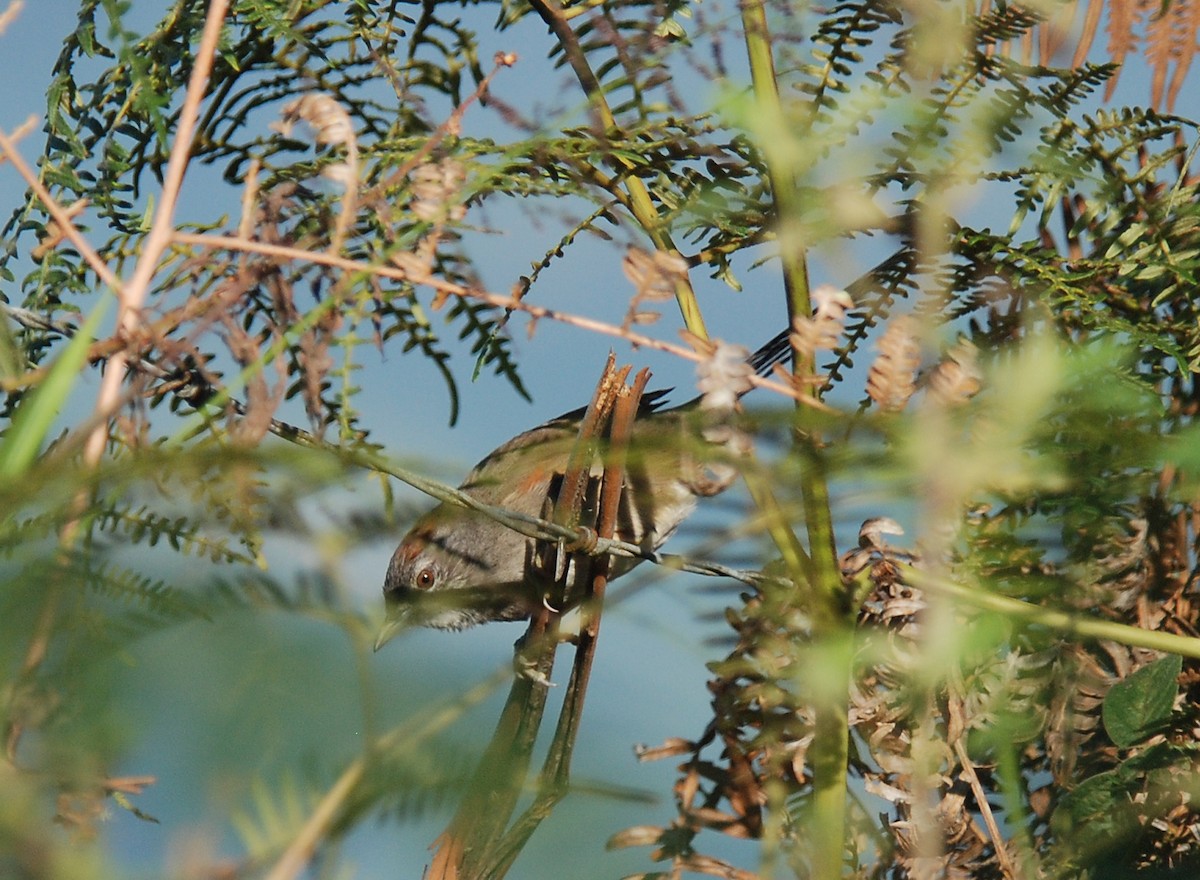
{"points": [[457, 567]]}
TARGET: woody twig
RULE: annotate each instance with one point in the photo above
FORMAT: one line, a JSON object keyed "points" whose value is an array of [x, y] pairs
{"points": [[480, 842]]}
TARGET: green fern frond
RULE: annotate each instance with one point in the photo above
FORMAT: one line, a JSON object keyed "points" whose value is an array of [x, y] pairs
{"points": [[274, 816], [155, 599], [142, 525]]}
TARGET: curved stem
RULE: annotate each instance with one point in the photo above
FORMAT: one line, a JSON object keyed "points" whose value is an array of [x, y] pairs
{"points": [[1068, 624], [640, 202], [829, 753]]}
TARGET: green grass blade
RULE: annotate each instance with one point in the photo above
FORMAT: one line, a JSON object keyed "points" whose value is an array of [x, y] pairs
{"points": [[34, 417]]}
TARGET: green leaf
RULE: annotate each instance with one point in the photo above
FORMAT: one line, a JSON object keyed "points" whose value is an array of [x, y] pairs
{"points": [[1093, 801], [34, 417], [1142, 703], [125, 803], [10, 360]]}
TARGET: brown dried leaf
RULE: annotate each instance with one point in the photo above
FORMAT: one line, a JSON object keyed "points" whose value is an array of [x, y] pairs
{"points": [[435, 189], [824, 329], [957, 378], [714, 867], [328, 119], [892, 378], [671, 747], [638, 835], [654, 277], [723, 377], [687, 788], [712, 818]]}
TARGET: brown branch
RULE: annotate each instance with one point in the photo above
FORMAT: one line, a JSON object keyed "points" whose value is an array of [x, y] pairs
{"points": [[555, 775], [463, 849], [613, 487], [501, 301], [479, 842]]}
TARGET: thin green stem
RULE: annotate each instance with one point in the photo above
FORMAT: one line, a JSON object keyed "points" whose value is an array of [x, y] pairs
{"points": [[775, 520], [818, 518], [829, 753], [1067, 623], [780, 175], [640, 202]]}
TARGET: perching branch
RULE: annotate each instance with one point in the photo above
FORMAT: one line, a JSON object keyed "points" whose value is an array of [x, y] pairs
{"points": [[478, 843]]}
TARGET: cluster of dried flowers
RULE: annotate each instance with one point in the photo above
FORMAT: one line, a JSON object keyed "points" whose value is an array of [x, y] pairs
{"points": [[654, 277], [256, 296], [925, 737], [921, 737]]}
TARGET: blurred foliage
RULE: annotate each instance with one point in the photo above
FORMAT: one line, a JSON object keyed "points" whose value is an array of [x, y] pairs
{"points": [[1023, 354]]}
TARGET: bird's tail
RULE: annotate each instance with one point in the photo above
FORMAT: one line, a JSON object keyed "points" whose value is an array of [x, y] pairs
{"points": [[771, 353]]}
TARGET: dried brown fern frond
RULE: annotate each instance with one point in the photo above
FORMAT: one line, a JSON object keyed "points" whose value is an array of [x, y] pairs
{"points": [[957, 378], [892, 379], [1167, 29], [824, 329]]}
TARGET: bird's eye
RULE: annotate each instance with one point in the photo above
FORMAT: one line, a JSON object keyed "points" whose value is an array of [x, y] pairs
{"points": [[426, 578]]}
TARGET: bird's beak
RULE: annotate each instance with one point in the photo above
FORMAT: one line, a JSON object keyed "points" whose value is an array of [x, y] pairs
{"points": [[395, 624]]}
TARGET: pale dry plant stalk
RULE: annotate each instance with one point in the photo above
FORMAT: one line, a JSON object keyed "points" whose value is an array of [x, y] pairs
{"points": [[10, 13], [891, 381], [53, 235], [536, 312], [131, 296], [249, 202], [61, 216]]}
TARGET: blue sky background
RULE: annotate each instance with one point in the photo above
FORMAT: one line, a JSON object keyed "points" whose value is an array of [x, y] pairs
{"points": [[649, 675]]}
